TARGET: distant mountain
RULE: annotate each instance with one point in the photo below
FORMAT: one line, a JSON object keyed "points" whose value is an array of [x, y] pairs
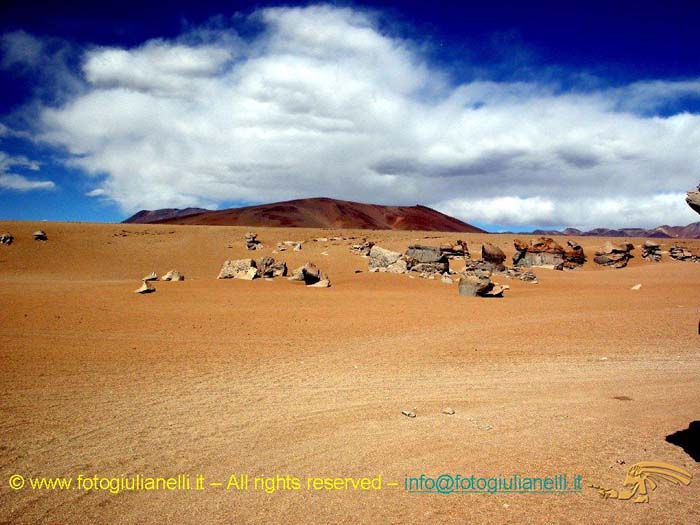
{"points": [[691, 231], [149, 216], [317, 212]]}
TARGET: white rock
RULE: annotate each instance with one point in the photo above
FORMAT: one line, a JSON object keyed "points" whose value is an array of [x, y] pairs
{"points": [[146, 287]]}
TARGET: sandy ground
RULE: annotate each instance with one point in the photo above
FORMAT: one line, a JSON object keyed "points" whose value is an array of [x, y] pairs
{"points": [[271, 378]]}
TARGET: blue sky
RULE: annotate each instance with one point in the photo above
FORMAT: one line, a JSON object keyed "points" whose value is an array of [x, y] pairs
{"points": [[505, 114]]}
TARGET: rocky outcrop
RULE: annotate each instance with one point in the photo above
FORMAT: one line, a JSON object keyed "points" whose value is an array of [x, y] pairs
{"points": [[150, 277], [426, 260], [310, 275], [616, 255], [651, 251], [40, 235], [363, 248], [6, 238], [382, 260], [269, 268], [252, 242], [683, 253], [245, 269], [493, 255], [545, 251], [455, 251]]}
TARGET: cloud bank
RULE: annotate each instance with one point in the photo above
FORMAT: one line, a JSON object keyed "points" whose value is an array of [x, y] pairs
{"points": [[13, 181], [322, 101]]}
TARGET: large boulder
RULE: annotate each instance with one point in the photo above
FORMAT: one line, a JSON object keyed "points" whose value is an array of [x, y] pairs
{"points": [[455, 251], [474, 285], [424, 254], [239, 269], [268, 267], [426, 260], [475, 280], [6, 238], [546, 252], [493, 255], [383, 260], [40, 235], [309, 274], [615, 255]]}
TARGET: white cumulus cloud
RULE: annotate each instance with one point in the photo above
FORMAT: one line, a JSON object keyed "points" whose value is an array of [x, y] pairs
{"points": [[324, 102], [13, 181]]}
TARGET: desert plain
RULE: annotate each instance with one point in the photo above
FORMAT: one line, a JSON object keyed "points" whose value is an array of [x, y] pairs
{"points": [[578, 374]]}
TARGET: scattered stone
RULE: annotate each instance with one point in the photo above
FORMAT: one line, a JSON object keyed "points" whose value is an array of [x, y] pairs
{"points": [[358, 271], [252, 242], [323, 283], [682, 253], [286, 245], [517, 272], [146, 287], [321, 239], [268, 267], [408, 413], [546, 252], [239, 269], [40, 235], [494, 256], [6, 238], [636, 287], [150, 277], [616, 255], [173, 275], [449, 411], [362, 248], [651, 251], [446, 278]]}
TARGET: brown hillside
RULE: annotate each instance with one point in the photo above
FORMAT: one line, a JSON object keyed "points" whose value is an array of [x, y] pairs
{"points": [[329, 213]]}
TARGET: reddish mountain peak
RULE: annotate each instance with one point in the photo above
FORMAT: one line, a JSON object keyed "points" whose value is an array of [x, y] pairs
{"points": [[324, 212]]}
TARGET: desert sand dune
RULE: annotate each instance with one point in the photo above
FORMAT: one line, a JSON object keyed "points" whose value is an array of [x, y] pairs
{"points": [[269, 377]]}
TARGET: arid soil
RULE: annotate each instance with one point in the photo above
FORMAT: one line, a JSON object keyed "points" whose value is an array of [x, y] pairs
{"points": [[221, 377]]}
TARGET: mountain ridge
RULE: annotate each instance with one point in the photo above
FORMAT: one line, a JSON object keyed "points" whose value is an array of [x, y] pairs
{"points": [[315, 212]]}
